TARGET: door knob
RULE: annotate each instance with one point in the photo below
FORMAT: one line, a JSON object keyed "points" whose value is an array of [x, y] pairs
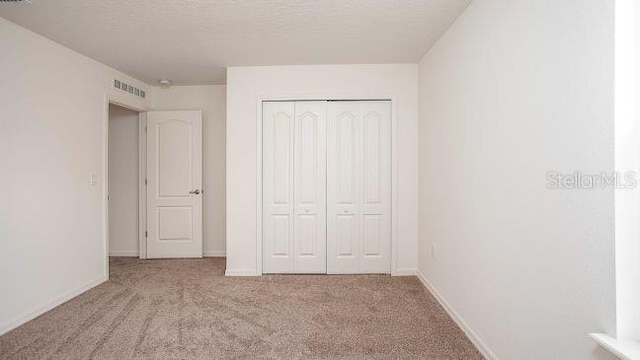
{"points": [[196, 191]]}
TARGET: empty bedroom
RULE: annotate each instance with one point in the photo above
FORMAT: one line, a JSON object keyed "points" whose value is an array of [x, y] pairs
{"points": [[337, 179]]}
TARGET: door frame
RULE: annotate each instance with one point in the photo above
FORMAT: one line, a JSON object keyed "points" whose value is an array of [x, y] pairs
{"points": [[105, 171], [394, 164], [142, 185]]}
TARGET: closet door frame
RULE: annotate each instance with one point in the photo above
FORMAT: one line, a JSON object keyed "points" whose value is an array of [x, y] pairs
{"points": [[394, 166]]}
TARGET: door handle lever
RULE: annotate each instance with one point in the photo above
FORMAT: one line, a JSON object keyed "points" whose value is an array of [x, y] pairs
{"points": [[196, 191]]}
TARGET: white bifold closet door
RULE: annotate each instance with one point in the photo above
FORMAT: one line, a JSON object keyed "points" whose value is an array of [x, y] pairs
{"points": [[359, 187], [294, 187], [327, 187]]}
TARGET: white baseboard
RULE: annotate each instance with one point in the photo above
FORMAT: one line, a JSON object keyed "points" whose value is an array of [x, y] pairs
{"points": [[406, 272], [215, 253], [475, 339], [123, 253], [231, 272], [12, 324]]}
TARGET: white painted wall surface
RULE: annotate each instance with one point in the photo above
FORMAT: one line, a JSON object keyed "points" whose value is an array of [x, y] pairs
{"points": [[123, 181], [515, 89], [245, 85], [52, 137], [211, 100]]}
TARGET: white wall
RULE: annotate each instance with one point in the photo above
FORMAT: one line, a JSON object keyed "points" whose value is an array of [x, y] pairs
{"points": [[211, 100], [52, 137], [514, 89], [123, 181], [245, 85]]}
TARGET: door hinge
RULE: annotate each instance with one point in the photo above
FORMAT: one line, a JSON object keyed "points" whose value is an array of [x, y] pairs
{"points": [[145, 129], [146, 234], [145, 182]]}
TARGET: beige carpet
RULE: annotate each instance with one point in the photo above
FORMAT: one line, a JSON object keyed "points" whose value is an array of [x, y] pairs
{"points": [[187, 309]]}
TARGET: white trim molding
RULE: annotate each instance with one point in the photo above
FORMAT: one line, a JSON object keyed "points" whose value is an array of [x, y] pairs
{"points": [[123, 253], [475, 339], [406, 272], [623, 349], [215, 253], [22, 319], [142, 185], [242, 272], [105, 171]]}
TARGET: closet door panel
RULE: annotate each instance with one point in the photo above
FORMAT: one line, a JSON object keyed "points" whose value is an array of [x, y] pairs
{"points": [[310, 187], [376, 187], [277, 187], [343, 176]]}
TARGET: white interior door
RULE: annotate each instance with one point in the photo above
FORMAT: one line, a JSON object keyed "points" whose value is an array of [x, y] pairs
{"points": [[174, 184], [359, 187], [294, 187]]}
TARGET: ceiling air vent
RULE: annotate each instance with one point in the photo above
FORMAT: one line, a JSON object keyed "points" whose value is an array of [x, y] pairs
{"points": [[15, 1], [128, 88]]}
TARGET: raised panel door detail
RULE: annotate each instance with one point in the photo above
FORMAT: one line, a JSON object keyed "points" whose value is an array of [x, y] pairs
{"points": [[281, 158], [372, 165], [345, 137], [308, 158], [174, 149], [346, 235], [281, 238], [372, 235], [175, 223], [306, 235]]}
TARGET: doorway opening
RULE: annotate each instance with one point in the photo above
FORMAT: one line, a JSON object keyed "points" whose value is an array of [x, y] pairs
{"points": [[123, 186], [154, 184]]}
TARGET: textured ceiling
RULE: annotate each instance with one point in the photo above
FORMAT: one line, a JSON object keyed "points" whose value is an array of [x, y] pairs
{"points": [[193, 41]]}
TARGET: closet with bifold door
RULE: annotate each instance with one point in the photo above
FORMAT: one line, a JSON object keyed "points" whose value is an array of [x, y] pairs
{"points": [[326, 187]]}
